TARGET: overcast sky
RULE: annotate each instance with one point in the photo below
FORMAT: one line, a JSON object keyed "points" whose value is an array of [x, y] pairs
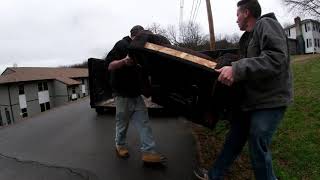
{"points": [[51, 33]]}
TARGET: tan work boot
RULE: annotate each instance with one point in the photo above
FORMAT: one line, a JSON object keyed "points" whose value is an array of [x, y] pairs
{"points": [[122, 151], [149, 157]]}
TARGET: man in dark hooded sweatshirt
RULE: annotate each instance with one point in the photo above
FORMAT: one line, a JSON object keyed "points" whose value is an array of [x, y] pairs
{"points": [[265, 76], [126, 82]]}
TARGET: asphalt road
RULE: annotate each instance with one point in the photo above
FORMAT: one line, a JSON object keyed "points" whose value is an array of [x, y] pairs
{"points": [[72, 142]]}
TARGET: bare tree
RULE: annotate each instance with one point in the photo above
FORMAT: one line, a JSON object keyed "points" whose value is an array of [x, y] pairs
{"points": [[157, 29], [172, 34], [191, 36], [304, 7]]}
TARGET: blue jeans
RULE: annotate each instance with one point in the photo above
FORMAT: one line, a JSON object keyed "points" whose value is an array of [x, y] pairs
{"points": [[257, 127], [133, 109]]}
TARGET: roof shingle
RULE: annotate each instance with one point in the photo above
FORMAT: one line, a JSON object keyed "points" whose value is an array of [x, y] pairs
{"points": [[22, 74]]}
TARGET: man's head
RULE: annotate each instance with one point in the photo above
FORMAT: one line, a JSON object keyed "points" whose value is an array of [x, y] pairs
{"points": [[135, 30], [248, 12]]}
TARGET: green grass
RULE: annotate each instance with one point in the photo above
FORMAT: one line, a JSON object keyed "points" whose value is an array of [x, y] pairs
{"points": [[296, 145]]}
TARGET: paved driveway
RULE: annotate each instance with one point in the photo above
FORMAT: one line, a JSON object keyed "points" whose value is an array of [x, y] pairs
{"points": [[72, 142]]}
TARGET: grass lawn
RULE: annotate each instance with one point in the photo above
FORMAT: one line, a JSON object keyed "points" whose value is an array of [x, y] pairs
{"points": [[296, 144]]}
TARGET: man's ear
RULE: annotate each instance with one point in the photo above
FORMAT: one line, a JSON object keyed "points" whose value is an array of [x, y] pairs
{"points": [[246, 13]]}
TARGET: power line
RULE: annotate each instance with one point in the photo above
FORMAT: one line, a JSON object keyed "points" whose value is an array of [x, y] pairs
{"points": [[196, 11], [191, 13]]}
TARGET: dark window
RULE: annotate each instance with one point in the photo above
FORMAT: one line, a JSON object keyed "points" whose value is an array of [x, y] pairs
{"points": [[305, 27], [8, 116], [73, 90], [83, 94], [24, 112], [307, 43], [40, 88], [82, 81], [1, 122], [21, 89], [45, 86], [42, 107], [47, 105], [289, 32]]}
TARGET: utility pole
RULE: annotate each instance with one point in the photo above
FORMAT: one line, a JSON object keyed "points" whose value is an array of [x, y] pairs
{"points": [[211, 29]]}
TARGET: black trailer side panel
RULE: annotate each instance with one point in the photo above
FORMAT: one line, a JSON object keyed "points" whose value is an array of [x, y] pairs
{"points": [[100, 89]]}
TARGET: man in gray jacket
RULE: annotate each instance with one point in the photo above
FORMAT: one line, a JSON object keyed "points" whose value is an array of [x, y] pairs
{"points": [[265, 76]]}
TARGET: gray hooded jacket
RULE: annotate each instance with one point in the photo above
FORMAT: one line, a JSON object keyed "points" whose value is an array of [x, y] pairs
{"points": [[264, 71]]}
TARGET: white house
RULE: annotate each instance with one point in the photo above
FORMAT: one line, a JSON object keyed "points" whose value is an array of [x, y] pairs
{"points": [[307, 34]]}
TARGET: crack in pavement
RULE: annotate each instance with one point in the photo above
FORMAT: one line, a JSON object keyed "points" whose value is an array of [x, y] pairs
{"points": [[83, 174]]}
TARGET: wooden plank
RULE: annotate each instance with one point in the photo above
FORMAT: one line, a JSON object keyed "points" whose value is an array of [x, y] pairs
{"points": [[182, 55]]}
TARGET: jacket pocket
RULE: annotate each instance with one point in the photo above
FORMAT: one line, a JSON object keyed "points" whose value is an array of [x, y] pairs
{"points": [[253, 49]]}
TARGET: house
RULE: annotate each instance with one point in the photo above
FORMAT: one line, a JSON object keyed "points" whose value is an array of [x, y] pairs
{"points": [[26, 91], [304, 36]]}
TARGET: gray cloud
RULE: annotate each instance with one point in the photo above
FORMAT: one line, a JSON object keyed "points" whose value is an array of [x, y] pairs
{"points": [[64, 32]]}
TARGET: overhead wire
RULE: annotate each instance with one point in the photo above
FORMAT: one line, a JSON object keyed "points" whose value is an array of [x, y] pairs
{"points": [[192, 12], [196, 11]]}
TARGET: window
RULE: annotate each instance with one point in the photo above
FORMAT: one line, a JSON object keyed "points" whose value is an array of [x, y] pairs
{"points": [[45, 106], [305, 27], [21, 89], [42, 107], [42, 86], [307, 43], [24, 112], [8, 115], [289, 32], [45, 86], [82, 80], [73, 90], [1, 122], [310, 42]]}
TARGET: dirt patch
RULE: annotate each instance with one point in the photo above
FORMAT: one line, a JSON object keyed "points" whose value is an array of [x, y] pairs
{"points": [[304, 58], [209, 146]]}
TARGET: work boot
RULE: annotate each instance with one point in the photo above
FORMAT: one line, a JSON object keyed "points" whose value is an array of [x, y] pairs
{"points": [[201, 174], [152, 157], [122, 151]]}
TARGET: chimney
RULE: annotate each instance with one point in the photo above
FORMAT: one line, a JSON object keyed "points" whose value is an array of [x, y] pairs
{"points": [[300, 40], [297, 22]]}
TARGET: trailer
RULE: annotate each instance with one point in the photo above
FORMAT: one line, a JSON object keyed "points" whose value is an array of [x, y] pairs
{"points": [[182, 81]]}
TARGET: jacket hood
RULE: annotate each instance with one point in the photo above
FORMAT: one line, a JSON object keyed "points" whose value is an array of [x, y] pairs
{"points": [[127, 38], [269, 15]]}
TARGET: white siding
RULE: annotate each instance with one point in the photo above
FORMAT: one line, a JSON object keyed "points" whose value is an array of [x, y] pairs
{"points": [[22, 101], [43, 97]]}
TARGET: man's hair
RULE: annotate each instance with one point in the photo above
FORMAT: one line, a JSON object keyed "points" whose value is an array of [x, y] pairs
{"points": [[252, 5], [135, 30]]}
